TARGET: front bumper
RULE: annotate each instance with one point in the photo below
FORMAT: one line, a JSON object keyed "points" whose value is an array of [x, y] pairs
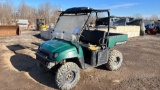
{"points": [[44, 60]]}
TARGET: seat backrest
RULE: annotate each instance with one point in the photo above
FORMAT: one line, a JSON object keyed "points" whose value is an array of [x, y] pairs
{"points": [[92, 37], [102, 21]]}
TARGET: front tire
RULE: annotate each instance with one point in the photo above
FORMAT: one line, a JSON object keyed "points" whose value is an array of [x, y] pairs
{"points": [[115, 60], [67, 76]]}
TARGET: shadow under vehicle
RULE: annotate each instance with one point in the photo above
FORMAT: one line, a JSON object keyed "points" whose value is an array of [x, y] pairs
{"points": [[75, 46]]}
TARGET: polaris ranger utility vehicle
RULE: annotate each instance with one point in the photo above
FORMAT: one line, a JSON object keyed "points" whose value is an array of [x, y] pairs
{"points": [[75, 46]]}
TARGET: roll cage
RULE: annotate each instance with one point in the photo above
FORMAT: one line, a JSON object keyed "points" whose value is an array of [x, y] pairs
{"points": [[88, 11]]}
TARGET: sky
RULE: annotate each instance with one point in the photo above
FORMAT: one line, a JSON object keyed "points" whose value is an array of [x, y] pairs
{"points": [[117, 7]]}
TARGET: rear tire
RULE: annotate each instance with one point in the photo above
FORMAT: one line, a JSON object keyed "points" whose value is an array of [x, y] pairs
{"points": [[115, 60], [67, 76]]}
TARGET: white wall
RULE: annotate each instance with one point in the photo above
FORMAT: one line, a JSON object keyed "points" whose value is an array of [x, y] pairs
{"points": [[132, 31]]}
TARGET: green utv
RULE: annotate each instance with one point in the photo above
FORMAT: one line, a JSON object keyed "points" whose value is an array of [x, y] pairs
{"points": [[74, 45]]}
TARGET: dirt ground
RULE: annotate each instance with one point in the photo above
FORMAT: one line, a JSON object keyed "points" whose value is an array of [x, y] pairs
{"points": [[140, 69]]}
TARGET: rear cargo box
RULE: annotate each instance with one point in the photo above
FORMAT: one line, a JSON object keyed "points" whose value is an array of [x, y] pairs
{"points": [[116, 39]]}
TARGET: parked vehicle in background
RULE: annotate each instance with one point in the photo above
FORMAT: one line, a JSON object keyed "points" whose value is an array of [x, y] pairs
{"points": [[157, 25], [151, 29], [39, 23], [22, 23]]}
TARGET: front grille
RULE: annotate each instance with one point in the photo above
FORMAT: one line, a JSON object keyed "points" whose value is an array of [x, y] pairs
{"points": [[45, 53], [42, 60]]}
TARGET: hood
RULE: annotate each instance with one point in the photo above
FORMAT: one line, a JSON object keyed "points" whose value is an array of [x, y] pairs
{"points": [[56, 45]]}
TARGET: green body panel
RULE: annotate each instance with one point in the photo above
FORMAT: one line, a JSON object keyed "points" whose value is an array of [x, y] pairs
{"points": [[65, 49], [112, 40]]}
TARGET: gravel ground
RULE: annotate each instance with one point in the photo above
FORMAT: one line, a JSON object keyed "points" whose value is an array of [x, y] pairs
{"points": [[140, 69]]}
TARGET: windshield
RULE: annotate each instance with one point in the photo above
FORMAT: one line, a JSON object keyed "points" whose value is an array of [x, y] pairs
{"points": [[68, 26]]}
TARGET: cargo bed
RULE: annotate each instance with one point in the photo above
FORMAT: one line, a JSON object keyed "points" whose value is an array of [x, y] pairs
{"points": [[94, 37], [116, 39]]}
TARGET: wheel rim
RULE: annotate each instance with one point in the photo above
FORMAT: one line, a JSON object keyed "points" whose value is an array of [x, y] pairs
{"points": [[117, 60], [70, 76]]}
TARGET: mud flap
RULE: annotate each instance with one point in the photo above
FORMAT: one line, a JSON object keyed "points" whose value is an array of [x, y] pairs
{"points": [[102, 57]]}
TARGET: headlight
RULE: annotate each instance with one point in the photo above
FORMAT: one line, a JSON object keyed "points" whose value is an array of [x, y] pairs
{"points": [[55, 55]]}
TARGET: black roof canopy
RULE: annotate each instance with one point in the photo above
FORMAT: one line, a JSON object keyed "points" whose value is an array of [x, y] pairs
{"points": [[83, 10]]}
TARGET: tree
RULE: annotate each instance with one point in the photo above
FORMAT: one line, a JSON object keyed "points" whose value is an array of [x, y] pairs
{"points": [[6, 9], [44, 11], [23, 10], [10, 13], [154, 17], [146, 18], [54, 13], [138, 16]]}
